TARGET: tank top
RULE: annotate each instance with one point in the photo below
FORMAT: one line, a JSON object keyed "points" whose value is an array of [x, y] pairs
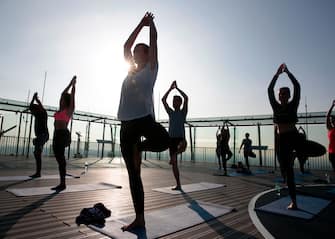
{"points": [[136, 99]]}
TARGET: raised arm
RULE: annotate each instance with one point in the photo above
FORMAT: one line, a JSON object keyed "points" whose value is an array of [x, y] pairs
{"points": [[271, 87], [32, 100], [185, 105], [296, 86], [329, 124], [166, 106], [130, 41], [73, 92], [153, 55]]}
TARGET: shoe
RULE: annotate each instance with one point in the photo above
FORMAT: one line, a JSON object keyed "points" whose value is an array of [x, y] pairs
{"points": [[60, 187], [36, 175], [105, 211]]}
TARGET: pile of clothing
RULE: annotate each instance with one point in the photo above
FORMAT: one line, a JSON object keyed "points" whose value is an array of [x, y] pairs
{"points": [[95, 215]]}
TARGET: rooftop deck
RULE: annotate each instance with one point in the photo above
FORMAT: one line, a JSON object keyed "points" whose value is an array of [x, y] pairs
{"points": [[53, 216]]}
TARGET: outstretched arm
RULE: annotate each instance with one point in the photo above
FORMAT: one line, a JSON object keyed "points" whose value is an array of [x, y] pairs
{"points": [[130, 41], [241, 146], [296, 86], [166, 106], [329, 123]]}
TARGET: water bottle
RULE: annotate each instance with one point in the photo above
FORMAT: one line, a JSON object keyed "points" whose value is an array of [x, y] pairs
{"points": [[86, 167], [327, 178], [277, 189]]}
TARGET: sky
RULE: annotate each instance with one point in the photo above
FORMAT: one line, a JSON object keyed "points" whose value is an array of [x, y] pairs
{"points": [[222, 53]]}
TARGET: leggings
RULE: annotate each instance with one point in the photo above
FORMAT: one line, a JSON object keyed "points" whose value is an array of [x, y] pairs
{"points": [[332, 160], [61, 140], [39, 142], [156, 140], [287, 143]]}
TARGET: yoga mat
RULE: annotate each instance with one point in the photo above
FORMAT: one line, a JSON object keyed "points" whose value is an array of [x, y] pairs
{"points": [[308, 206], [165, 221], [22, 192], [233, 174], [187, 188], [24, 178]]}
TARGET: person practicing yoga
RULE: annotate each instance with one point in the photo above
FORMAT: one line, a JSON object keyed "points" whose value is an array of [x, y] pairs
{"points": [[177, 118], [218, 146], [331, 135], [247, 149], [41, 132], [225, 151], [287, 137], [62, 136], [136, 112]]}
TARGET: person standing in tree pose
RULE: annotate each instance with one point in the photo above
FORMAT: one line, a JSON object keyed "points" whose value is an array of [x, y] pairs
{"points": [[225, 151], [218, 146], [41, 132], [177, 118], [136, 113], [288, 139], [246, 144], [62, 136]]}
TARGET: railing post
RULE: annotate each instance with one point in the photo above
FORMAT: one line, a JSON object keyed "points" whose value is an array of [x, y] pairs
{"points": [[30, 126], [18, 136]]}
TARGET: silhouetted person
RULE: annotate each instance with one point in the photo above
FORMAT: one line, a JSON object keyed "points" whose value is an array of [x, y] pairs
{"points": [[136, 113], [225, 152], [62, 136], [177, 118], [247, 150], [285, 118], [218, 146], [331, 135], [41, 132]]}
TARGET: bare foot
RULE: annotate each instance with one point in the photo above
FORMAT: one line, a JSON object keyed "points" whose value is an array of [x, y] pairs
{"points": [[137, 223], [292, 206], [176, 188]]}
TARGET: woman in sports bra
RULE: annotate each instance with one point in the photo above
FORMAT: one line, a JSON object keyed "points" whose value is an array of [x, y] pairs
{"points": [[62, 136], [288, 138]]}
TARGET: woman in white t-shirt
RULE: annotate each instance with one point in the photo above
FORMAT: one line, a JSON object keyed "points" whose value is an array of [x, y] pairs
{"points": [[136, 113]]}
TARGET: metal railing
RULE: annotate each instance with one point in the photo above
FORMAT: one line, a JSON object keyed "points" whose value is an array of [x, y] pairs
{"points": [[10, 145]]}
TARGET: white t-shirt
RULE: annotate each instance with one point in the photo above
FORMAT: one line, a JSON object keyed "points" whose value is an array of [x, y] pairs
{"points": [[136, 99]]}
